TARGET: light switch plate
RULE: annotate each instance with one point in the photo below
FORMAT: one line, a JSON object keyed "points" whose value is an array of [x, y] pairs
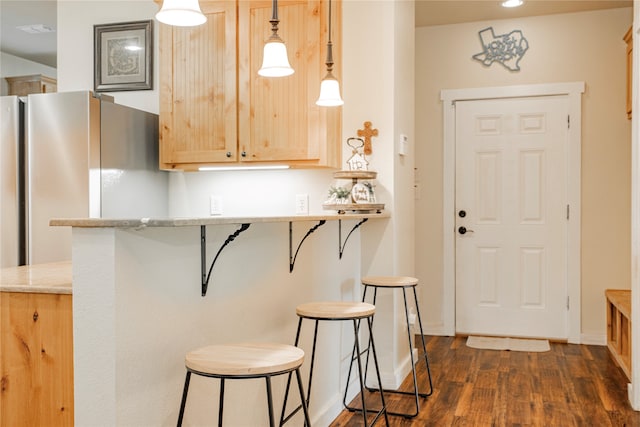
{"points": [[403, 145]]}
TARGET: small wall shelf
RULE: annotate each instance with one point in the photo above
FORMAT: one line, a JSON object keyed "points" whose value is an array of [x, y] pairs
{"points": [[354, 176]]}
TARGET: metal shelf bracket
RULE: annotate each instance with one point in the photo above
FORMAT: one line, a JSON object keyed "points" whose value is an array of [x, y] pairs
{"points": [[342, 245], [292, 258], [203, 253]]}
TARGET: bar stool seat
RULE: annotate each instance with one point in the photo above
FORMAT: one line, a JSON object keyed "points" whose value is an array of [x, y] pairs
{"points": [[335, 310], [398, 282], [389, 281], [243, 361], [338, 311]]}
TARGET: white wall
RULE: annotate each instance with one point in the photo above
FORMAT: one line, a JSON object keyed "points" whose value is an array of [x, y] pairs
{"points": [[13, 66], [385, 87], [75, 45], [585, 47]]}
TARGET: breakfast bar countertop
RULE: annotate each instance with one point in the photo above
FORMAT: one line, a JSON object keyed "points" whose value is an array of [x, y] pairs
{"points": [[200, 221], [49, 278]]}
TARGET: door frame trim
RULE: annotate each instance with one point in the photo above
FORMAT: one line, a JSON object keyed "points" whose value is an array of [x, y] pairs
{"points": [[574, 92]]}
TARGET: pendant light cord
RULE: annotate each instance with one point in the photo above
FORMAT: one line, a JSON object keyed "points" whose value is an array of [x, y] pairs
{"points": [[329, 21], [329, 62], [274, 20]]}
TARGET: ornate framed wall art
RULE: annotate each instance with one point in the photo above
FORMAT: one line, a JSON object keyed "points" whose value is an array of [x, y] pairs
{"points": [[123, 56]]}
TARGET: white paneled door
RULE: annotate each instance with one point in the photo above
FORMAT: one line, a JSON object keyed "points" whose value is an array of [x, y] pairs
{"points": [[511, 216]]}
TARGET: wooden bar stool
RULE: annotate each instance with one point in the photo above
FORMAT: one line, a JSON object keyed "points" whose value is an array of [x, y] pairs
{"points": [[338, 311], [244, 361], [397, 282]]}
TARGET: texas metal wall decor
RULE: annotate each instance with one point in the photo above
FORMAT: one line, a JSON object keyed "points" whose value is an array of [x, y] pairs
{"points": [[506, 49]]}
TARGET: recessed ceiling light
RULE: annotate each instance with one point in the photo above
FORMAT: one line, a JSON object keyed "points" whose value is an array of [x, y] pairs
{"points": [[36, 29], [512, 3]]}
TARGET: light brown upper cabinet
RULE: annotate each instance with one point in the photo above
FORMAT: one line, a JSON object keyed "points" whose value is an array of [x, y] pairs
{"points": [[215, 108], [628, 37]]}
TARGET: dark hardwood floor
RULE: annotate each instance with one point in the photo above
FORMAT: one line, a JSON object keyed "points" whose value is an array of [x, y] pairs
{"points": [[571, 385]]}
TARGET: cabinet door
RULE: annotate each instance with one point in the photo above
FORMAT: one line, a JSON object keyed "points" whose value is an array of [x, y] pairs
{"points": [[36, 355], [278, 117], [198, 113]]}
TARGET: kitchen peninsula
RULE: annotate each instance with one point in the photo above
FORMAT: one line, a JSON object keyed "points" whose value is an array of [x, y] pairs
{"points": [[139, 306]]}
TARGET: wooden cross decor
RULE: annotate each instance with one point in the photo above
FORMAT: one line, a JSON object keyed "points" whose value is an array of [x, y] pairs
{"points": [[367, 133]]}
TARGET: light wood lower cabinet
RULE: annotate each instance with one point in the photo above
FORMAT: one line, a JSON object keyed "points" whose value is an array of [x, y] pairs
{"points": [[36, 357]]}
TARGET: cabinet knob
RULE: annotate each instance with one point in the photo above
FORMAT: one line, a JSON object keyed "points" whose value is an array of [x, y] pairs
{"points": [[243, 154], [228, 153], [35, 316]]}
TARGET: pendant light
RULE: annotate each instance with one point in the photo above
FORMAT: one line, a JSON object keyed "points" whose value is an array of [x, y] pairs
{"points": [[329, 87], [181, 13], [275, 62]]}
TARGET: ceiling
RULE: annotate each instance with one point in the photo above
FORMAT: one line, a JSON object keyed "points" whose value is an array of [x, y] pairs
{"points": [[41, 47], [442, 12]]}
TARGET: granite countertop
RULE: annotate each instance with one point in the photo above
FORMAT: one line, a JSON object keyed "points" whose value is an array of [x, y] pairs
{"points": [[49, 278], [212, 220]]}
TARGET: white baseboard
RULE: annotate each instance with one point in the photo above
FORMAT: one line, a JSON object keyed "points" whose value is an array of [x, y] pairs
{"points": [[393, 380], [436, 329], [593, 339], [390, 380], [328, 412]]}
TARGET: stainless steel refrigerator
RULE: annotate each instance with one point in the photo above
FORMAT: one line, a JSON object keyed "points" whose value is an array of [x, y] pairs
{"points": [[72, 155]]}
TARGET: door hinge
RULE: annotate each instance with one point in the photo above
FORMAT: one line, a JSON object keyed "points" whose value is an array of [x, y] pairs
{"points": [[568, 122], [567, 302], [568, 212]]}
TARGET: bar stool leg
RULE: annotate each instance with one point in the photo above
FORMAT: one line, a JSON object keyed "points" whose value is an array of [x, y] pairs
{"points": [[270, 401], [184, 398], [413, 362], [313, 360], [305, 408], [360, 372], [375, 361], [424, 346], [359, 355], [221, 404], [362, 377], [283, 418]]}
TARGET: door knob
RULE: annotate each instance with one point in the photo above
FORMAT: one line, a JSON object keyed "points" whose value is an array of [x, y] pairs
{"points": [[464, 230]]}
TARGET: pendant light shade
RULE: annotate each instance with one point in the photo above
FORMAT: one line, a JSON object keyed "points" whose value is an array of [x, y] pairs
{"points": [[329, 92], [275, 62], [181, 13], [329, 87]]}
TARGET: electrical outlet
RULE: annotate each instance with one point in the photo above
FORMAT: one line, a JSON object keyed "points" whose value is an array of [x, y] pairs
{"points": [[215, 205], [302, 204]]}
